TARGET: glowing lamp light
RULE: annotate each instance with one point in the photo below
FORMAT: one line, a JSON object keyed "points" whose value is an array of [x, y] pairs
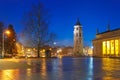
{"points": [[43, 50], [43, 56], [28, 50], [54, 43], [60, 56], [7, 32], [50, 49], [91, 47]]}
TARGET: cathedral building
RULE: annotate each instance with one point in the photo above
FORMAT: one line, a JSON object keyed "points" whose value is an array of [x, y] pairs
{"points": [[107, 44], [78, 39]]}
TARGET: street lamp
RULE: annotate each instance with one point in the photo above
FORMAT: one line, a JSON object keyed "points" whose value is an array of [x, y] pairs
{"points": [[3, 45]]}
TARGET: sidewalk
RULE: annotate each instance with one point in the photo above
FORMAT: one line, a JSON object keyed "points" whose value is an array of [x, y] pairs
{"points": [[13, 64], [17, 69]]}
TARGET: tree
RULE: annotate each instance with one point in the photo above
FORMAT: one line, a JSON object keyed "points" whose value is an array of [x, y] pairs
{"points": [[36, 30], [10, 41], [1, 34]]}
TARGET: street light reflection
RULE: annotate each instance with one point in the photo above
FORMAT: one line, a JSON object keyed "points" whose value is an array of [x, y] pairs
{"points": [[43, 68], [8, 74], [29, 62], [110, 67], [90, 68], [29, 72]]}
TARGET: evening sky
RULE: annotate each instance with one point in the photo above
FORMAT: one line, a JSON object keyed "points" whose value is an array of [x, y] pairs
{"points": [[92, 14]]}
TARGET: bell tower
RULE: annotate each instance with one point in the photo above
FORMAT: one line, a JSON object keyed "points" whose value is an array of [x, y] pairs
{"points": [[78, 39]]}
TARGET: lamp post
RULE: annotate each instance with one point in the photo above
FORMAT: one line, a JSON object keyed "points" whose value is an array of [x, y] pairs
{"points": [[3, 41], [3, 44], [54, 48]]}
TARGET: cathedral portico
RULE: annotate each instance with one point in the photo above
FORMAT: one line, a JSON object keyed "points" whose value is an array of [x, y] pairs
{"points": [[107, 44]]}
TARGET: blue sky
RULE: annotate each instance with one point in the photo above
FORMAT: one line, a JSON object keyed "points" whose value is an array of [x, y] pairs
{"points": [[93, 14]]}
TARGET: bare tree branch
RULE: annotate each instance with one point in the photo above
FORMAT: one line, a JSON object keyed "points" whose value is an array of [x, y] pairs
{"points": [[37, 26]]}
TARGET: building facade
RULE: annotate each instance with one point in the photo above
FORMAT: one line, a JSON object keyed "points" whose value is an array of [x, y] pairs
{"points": [[78, 39], [107, 44], [67, 51]]}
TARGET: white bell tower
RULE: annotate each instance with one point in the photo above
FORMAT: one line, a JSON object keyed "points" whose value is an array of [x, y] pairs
{"points": [[78, 39]]}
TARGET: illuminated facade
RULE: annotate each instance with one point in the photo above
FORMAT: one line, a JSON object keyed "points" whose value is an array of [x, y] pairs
{"points": [[78, 39], [30, 52], [107, 44], [20, 49]]}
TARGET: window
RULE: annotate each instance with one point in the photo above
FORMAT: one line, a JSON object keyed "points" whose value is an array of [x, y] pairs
{"points": [[116, 47], [76, 34], [104, 47], [77, 28], [80, 35], [112, 46], [108, 47]]}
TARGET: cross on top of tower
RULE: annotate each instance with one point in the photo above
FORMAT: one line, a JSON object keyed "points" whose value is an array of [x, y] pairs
{"points": [[78, 22]]}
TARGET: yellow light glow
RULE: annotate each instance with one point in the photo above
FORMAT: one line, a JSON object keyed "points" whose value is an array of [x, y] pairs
{"points": [[60, 56], [59, 50], [50, 49], [43, 50], [7, 32], [8, 73], [112, 46], [43, 56], [104, 47], [43, 68], [29, 73], [108, 47], [28, 50], [116, 47]]}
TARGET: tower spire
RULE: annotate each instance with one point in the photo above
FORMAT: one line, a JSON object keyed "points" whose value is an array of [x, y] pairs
{"points": [[78, 22]]}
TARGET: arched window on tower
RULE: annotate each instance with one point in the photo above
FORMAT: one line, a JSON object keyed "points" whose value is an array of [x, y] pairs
{"points": [[76, 34], [77, 28], [80, 35]]}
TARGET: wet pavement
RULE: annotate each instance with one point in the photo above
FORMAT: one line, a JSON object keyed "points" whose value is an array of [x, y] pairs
{"points": [[60, 69]]}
